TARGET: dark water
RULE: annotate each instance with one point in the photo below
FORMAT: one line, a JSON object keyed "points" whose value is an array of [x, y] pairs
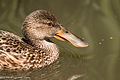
{"points": [[97, 21]]}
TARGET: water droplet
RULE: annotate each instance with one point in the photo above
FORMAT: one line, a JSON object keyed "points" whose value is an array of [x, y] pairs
{"points": [[99, 43], [111, 37], [102, 39]]}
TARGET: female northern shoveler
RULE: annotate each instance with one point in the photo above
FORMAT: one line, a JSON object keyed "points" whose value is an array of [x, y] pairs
{"points": [[35, 50]]}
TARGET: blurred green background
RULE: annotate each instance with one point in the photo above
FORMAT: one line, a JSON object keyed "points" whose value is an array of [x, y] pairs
{"points": [[97, 21]]}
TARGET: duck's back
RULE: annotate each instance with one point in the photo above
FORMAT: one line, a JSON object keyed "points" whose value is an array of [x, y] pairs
{"points": [[10, 51], [16, 54]]}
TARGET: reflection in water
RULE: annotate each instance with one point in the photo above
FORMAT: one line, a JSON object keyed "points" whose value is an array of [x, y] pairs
{"points": [[50, 72], [74, 77], [97, 21], [42, 73]]}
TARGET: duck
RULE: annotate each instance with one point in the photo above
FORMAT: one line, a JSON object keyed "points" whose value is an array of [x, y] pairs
{"points": [[35, 49]]}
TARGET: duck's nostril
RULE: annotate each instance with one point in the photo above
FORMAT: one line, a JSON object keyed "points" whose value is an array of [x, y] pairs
{"points": [[66, 32]]}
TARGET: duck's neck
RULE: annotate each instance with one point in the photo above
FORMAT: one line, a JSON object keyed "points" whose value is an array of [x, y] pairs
{"points": [[48, 47]]}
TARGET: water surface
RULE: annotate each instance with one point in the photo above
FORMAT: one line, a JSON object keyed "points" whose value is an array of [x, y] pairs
{"points": [[97, 21]]}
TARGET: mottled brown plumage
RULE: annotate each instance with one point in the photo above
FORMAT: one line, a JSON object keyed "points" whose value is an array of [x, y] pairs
{"points": [[35, 50], [16, 54]]}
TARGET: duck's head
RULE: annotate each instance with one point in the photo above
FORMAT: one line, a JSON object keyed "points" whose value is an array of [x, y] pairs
{"points": [[41, 25]]}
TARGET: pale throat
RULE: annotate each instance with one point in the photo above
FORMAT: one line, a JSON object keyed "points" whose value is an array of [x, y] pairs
{"points": [[48, 46]]}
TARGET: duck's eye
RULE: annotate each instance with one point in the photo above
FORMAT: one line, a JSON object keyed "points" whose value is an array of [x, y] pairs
{"points": [[49, 24], [49, 18]]}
